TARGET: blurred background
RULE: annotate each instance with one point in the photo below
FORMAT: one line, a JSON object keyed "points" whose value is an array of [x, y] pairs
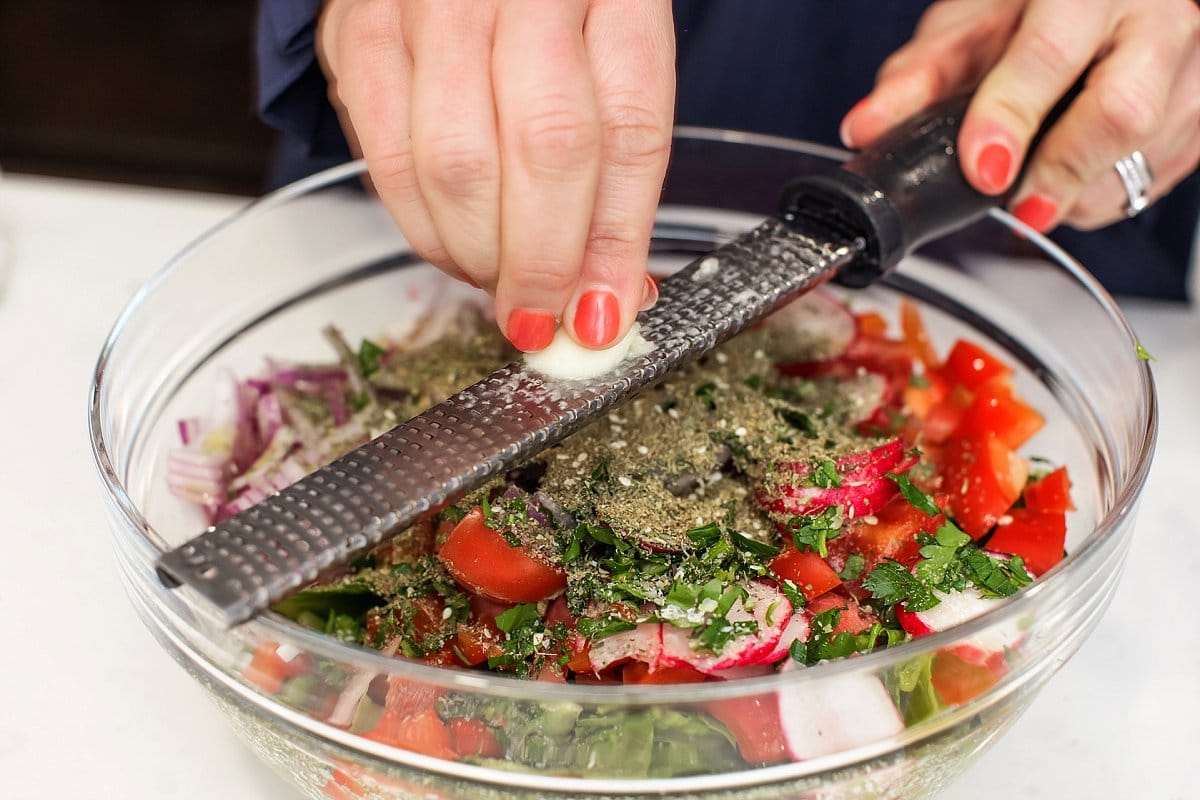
{"points": [[152, 92]]}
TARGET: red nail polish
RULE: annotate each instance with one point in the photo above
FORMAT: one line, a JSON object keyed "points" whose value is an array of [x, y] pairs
{"points": [[994, 164], [597, 318], [529, 330], [1037, 212], [649, 295]]}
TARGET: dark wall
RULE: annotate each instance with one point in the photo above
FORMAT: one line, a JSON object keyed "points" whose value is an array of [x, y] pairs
{"points": [[140, 91]]}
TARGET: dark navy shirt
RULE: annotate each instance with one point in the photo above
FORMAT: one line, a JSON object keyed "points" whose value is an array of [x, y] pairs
{"points": [[786, 67]]}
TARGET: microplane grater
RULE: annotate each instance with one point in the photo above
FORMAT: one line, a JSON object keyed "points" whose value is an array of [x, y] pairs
{"points": [[855, 221]]}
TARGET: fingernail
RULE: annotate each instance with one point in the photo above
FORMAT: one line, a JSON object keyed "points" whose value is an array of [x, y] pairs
{"points": [[530, 330], [1037, 212], [649, 295], [994, 164], [597, 318], [844, 130]]}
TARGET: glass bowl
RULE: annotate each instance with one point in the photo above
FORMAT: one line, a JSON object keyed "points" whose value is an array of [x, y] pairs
{"points": [[266, 282]]}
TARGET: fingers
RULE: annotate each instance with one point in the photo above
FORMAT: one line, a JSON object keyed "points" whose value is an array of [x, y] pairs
{"points": [[549, 155], [453, 129], [1172, 151], [373, 68], [1054, 44], [954, 44], [631, 53]]}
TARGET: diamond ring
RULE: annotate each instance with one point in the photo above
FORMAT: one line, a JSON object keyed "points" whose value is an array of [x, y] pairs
{"points": [[1136, 175]]}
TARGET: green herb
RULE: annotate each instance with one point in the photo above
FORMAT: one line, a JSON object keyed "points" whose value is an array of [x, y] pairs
{"points": [[370, 355], [939, 553], [825, 645], [604, 626], [915, 497], [707, 394], [1143, 354], [752, 546], [800, 421], [813, 532], [853, 569], [891, 583], [825, 475], [918, 381], [517, 617], [360, 401]]}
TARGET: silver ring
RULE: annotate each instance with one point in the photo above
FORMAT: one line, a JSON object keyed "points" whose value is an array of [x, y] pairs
{"points": [[1136, 175]]}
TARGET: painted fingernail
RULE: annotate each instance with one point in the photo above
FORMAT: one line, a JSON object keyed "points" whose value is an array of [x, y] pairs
{"points": [[597, 318], [1037, 212], [649, 295], [994, 164], [530, 330], [844, 130]]}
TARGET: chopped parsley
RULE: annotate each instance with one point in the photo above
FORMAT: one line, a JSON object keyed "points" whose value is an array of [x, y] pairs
{"points": [[824, 645], [853, 568], [370, 356], [813, 532], [1143, 354], [915, 497]]}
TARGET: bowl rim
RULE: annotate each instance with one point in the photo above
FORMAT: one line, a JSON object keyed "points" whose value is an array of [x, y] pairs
{"points": [[1107, 527]]}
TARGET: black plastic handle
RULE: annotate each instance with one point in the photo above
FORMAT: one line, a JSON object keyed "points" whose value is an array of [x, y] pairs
{"points": [[904, 190]]}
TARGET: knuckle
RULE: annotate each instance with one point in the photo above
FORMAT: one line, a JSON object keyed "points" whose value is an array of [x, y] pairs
{"points": [[1129, 110], [544, 275], [458, 166], [393, 172], [613, 241], [369, 25], [1050, 52], [557, 140], [635, 135]]}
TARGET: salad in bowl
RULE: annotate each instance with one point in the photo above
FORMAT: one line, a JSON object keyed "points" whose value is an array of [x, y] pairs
{"points": [[834, 558]]}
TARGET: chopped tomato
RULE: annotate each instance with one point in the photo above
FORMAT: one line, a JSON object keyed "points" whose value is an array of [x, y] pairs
{"points": [[807, 570], [579, 651], [854, 618], [921, 399], [970, 365], [946, 414], [426, 619], [423, 733], [956, 681], [996, 412], [558, 612], [916, 337], [470, 737], [406, 698], [477, 641], [1036, 536], [871, 324], [268, 670], [484, 562], [640, 672], [982, 480], [754, 723], [1050, 493], [891, 534]]}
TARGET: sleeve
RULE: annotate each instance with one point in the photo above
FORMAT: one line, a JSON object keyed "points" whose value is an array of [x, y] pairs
{"points": [[292, 92]]}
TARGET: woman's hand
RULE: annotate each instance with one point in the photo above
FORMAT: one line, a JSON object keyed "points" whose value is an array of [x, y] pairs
{"points": [[1143, 93], [520, 145]]}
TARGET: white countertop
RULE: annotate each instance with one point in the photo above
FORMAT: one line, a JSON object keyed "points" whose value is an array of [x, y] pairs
{"points": [[91, 706]]}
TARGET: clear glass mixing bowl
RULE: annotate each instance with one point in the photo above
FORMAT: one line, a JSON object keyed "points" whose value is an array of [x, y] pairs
{"points": [[266, 281]]}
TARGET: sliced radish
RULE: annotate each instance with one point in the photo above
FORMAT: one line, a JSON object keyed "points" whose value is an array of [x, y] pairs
{"points": [[742, 673], [833, 714], [797, 630], [644, 643], [764, 604], [955, 608], [815, 327]]}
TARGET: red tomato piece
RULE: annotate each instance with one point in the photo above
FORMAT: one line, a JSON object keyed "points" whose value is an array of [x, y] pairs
{"points": [[1036, 536], [484, 562], [871, 324], [893, 534], [407, 698], [477, 641], [423, 733], [268, 670], [996, 412], [982, 479], [470, 737], [920, 400], [916, 336], [956, 681], [1050, 493], [854, 618], [970, 365], [579, 651], [944, 416], [807, 570], [640, 672], [754, 723]]}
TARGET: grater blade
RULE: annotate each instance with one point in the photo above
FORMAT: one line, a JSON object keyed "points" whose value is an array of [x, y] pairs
{"points": [[331, 517]]}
